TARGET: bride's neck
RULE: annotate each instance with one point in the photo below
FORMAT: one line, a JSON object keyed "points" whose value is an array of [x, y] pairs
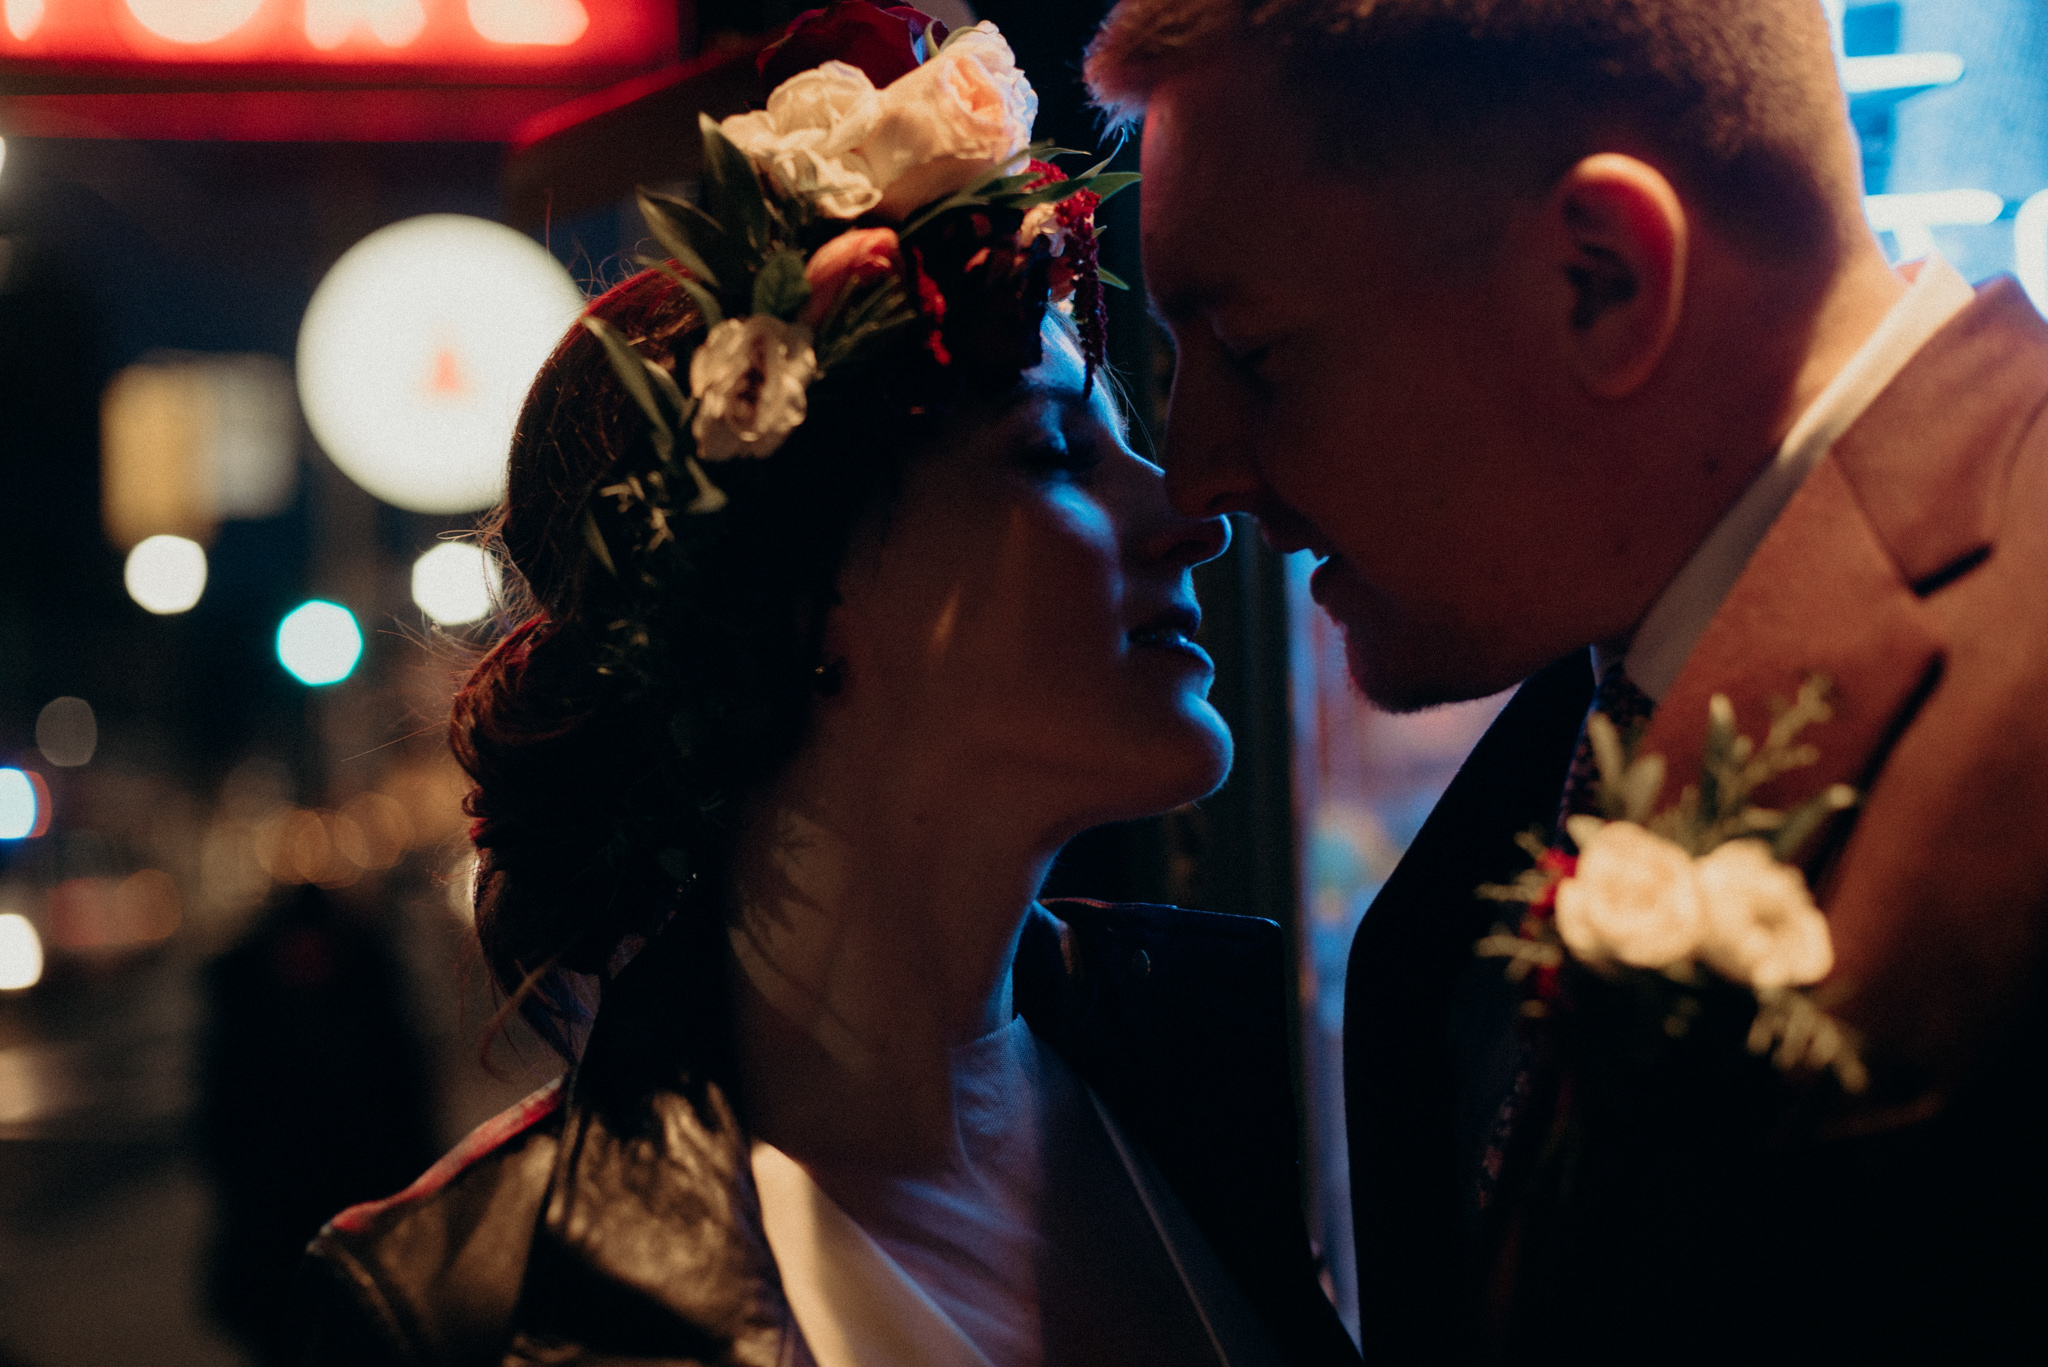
{"points": [[874, 918]]}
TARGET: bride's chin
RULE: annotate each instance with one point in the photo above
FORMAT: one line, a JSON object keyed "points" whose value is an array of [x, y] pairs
{"points": [[1194, 764]]}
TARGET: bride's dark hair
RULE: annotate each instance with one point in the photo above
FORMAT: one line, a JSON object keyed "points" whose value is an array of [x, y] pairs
{"points": [[606, 776]]}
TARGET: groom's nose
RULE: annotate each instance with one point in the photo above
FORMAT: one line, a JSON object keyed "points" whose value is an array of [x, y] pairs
{"points": [[1210, 429]]}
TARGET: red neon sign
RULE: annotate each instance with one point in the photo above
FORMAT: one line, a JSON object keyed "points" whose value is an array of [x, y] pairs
{"points": [[166, 43]]}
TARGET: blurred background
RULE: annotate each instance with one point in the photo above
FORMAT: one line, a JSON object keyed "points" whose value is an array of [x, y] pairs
{"points": [[273, 276]]}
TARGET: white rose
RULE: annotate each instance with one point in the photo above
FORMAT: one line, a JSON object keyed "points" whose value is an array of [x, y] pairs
{"points": [[808, 135], [749, 379], [1762, 926], [837, 100], [839, 187], [1633, 899], [756, 133], [964, 112]]}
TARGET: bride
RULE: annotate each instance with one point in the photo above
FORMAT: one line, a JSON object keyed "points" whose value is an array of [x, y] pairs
{"points": [[847, 604]]}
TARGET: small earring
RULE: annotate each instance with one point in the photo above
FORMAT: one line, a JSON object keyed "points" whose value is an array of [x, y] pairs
{"points": [[829, 677]]}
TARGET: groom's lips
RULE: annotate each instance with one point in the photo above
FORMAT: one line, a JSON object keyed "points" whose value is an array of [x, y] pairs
{"points": [[1290, 535], [1330, 586]]}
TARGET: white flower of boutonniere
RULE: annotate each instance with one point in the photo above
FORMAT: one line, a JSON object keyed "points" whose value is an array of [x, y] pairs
{"points": [[1634, 899], [1762, 927], [1694, 900]]}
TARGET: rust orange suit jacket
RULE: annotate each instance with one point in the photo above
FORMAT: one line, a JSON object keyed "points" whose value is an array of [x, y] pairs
{"points": [[1912, 568]]}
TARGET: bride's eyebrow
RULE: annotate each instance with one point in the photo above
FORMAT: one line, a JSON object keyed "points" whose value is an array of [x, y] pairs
{"points": [[1075, 412]]}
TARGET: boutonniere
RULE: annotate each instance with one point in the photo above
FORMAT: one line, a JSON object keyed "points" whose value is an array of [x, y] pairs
{"points": [[1697, 899]]}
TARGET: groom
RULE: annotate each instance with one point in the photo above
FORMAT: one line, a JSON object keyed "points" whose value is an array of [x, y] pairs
{"points": [[1556, 327]]}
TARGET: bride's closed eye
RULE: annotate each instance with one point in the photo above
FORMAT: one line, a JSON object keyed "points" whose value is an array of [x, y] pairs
{"points": [[1060, 457]]}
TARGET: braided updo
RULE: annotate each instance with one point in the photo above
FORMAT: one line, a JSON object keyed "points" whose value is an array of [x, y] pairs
{"points": [[607, 781]]}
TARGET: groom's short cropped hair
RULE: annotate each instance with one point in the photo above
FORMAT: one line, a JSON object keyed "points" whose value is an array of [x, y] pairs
{"points": [[1736, 98]]}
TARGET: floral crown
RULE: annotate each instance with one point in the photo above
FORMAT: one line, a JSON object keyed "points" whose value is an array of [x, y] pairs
{"points": [[887, 207]]}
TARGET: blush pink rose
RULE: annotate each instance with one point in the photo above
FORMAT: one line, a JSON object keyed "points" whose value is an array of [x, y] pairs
{"points": [[857, 257], [964, 112]]}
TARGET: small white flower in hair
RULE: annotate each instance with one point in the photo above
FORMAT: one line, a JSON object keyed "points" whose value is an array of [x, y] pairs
{"points": [[749, 379]]}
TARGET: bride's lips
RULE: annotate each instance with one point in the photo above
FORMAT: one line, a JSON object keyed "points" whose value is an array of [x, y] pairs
{"points": [[1173, 630]]}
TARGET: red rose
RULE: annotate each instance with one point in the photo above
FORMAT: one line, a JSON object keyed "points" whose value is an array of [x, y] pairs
{"points": [[884, 43]]}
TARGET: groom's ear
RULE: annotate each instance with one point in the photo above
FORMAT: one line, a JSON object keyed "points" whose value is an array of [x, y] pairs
{"points": [[1612, 240]]}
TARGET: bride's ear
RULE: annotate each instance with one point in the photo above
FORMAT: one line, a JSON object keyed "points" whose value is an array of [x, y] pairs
{"points": [[1611, 244]]}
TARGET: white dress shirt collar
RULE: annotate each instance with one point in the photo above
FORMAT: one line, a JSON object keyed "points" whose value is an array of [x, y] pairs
{"points": [[1679, 617]]}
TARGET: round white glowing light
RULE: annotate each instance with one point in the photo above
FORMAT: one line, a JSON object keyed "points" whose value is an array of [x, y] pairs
{"points": [[18, 805], [21, 952], [455, 582], [417, 350], [319, 642], [166, 574], [193, 21]]}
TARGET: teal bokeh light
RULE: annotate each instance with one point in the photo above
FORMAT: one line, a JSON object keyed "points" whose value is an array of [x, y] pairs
{"points": [[319, 642], [20, 808]]}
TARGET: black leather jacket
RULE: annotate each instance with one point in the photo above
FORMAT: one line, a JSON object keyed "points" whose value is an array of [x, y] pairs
{"points": [[612, 1219]]}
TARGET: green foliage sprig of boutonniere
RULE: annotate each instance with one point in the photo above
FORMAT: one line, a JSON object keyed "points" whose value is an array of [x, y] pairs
{"points": [[1700, 898]]}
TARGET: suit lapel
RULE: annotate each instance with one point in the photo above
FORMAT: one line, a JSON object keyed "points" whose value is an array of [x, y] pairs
{"points": [[1821, 596], [1411, 949], [1908, 500]]}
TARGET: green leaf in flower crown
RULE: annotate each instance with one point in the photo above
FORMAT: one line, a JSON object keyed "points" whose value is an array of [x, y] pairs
{"points": [[732, 187], [1010, 185], [780, 288], [977, 191], [1046, 194], [845, 312], [1099, 167], [594, 538], [1110, 182], [671, 232], [842, 336], [629, 365], [716, 247], [710, 498], [665, 385], [1114, 281], [708, 311]]}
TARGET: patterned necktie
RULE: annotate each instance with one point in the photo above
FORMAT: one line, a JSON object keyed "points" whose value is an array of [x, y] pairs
{"points": [[1629, 708]]}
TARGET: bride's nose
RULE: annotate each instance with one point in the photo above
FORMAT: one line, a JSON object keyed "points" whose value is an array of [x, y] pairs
{"points": [[1165, 535]]}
